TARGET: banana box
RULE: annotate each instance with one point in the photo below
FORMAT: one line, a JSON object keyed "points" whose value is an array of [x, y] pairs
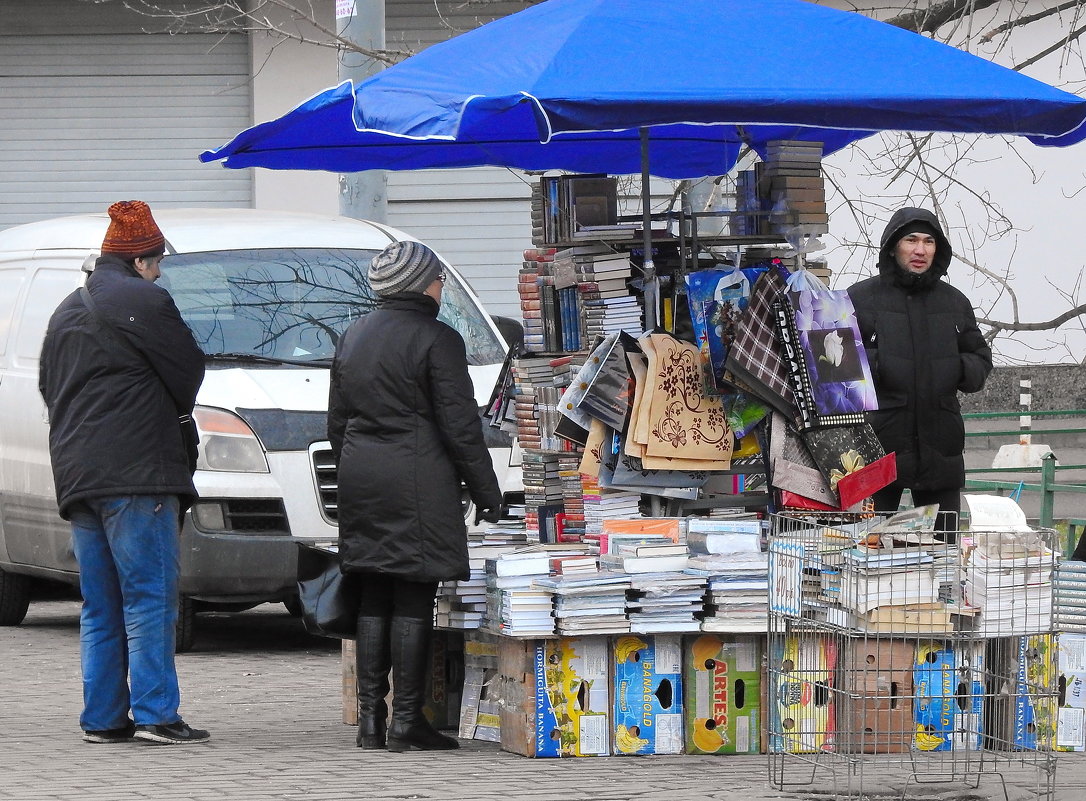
{"points": [[445, 679], [802, 709], [722, 684], [648, 687], [1035, 701], [948, 683], [1071, 658], [554, 696], [876, 713]]}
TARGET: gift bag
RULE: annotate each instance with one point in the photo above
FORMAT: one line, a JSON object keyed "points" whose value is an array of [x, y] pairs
{"points": [[328, 596], [716, 298], [824, 354], [754, 361], [851, 459]]}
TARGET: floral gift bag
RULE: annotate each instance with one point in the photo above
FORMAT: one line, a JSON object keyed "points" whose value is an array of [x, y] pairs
{"points": [[822, 349]]}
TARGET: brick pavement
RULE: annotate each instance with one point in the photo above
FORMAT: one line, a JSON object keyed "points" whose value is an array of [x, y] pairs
{"points": [[270, 695]]}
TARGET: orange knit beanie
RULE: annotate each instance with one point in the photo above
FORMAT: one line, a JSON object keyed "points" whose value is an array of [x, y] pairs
{"points": [[132, 231]]}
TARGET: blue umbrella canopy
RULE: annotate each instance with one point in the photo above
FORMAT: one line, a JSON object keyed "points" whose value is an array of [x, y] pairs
{"points": [[568, 84]]}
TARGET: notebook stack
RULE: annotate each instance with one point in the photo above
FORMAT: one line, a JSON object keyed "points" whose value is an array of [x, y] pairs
{"points": [[589, 603], [649, 553], [610, 315], [737, 597], [1013, 593], [462, 604], [1070, 598], [514, 607], [665, 602]]}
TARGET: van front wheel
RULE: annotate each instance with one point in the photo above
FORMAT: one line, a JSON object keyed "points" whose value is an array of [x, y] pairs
{"points": [[14, 598], [186, 625]]}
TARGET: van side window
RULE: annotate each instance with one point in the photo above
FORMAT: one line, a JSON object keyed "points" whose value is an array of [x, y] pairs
{"points": [[47, 289], [11, 282]]}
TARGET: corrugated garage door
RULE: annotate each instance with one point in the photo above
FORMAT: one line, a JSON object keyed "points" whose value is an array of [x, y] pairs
{"points": [[479, 219], [96, 116]]}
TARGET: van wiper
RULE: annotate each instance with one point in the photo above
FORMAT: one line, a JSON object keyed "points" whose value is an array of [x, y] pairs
{"points": [[253, 358]]}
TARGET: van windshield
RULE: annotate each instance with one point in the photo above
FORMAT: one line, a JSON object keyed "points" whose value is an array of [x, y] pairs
{"points": [[293, 304]]}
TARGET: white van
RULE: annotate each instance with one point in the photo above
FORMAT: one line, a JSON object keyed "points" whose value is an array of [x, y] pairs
{"points": [[266, 294]]}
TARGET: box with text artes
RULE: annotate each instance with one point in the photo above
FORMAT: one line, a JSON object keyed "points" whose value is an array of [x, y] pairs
{"points": [[648, 694], [722, 683], [555, 696]]}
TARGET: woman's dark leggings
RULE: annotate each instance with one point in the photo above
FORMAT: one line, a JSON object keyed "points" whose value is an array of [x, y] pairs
{"points": [[389, 596]]}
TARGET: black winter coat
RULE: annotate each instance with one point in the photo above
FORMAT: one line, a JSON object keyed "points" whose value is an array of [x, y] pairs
{"points": [[405, 430], [113, 426], [924, 347]]}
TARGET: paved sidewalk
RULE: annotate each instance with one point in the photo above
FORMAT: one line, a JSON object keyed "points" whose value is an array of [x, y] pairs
{"points": [[270, 695]]}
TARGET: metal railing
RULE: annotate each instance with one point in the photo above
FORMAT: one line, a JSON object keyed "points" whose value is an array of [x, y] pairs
{"points": [[1047, 485]]}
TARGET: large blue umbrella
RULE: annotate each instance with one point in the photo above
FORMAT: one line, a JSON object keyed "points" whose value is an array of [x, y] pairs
{"points": [[674, 89], [567, 84]]}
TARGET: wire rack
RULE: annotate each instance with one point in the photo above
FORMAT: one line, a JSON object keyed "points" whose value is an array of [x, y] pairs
{"points": [[895, 662]]}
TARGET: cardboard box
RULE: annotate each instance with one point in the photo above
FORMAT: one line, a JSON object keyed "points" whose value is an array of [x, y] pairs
{"points": [[1071, 666], [803, 711], [555, 696], [648, 693], [875, 712], [446, 680], [949, 679], [1035, 701], [480, 714], [723, 689]]}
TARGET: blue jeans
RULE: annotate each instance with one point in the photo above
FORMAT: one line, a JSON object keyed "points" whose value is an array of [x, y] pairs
{"points": [[128, 554]]}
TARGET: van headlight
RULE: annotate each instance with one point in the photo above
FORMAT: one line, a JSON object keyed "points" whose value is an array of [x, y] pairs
{"points": [[227, 443]]}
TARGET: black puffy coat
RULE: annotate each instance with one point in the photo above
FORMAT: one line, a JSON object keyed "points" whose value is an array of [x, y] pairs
{"points": [[113, 413], [405, 430], [924, 347]]}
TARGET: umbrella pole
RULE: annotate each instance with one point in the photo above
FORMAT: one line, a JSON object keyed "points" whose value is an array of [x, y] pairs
{"points": [[651, 283]]}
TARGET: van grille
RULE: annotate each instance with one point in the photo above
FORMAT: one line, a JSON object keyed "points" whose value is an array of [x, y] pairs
{"points": [[327, 482]]}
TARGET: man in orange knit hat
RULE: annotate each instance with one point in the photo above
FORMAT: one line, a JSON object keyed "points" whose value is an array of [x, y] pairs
{"points": [[119, 373]]}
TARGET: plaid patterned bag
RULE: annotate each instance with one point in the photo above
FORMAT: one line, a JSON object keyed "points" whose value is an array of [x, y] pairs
{"points": [[754, 361]]}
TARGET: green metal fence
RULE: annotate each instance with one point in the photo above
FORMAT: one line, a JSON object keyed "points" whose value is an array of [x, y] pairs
{"points": [[1047, 484]]}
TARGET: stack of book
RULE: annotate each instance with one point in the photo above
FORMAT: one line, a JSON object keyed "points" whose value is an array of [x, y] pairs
{"points": [[571, 526], [605, 316], [542, 494], [737, 596], [887, 577], [589, 603], [514, 606], [792, 187], [564, 206], [633, 553], [535, 402], [664, 602], [1012, 593], [536, 265], [1070, 596], [462, 604], [601, 504]]}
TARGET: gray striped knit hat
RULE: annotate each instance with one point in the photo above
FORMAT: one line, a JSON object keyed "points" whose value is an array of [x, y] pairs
{"points": [[404, 267]]}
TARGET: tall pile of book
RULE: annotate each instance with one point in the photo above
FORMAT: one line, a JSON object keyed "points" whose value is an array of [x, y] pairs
{"points": [[514, 607], [1011, 588], [727, 552], [534, 268], [792, 187]]}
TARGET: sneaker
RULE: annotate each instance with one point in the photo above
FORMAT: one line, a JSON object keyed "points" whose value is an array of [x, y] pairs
{"points": [[121, 735], [172, 734]]}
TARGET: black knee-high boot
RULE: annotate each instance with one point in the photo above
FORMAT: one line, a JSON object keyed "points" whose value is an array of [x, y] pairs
{"points": [[410, 664], [373, 658]]}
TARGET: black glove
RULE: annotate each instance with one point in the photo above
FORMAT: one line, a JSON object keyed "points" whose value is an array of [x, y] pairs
{"points": [[492, 514]]}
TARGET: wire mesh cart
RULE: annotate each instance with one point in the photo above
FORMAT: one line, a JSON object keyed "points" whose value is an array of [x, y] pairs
{"points": [[905, 659]]}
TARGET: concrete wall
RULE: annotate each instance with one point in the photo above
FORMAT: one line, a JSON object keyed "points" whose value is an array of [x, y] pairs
{"points": [[1055, 386]]}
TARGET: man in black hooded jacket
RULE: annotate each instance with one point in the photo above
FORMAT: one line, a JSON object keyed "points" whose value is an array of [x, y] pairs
{"points": [[924, 347]]}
